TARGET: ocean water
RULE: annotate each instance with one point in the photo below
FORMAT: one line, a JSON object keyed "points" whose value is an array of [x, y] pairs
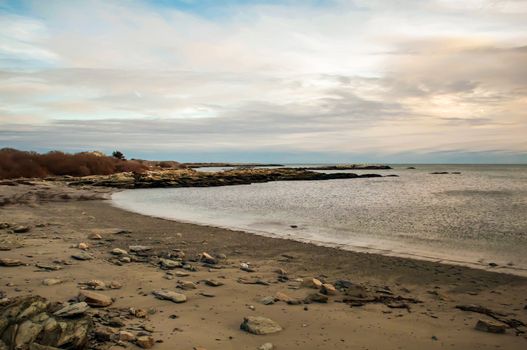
{"points": [[473, 218]]}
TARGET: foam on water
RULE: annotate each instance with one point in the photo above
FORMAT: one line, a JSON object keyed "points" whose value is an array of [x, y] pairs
{"points": [[474, 218]]}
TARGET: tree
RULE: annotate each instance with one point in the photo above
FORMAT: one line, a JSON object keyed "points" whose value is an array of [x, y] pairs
{"points": [[118, 155]]}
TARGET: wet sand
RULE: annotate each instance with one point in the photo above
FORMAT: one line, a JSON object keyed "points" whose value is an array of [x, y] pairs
{"points": [[58, 223]]}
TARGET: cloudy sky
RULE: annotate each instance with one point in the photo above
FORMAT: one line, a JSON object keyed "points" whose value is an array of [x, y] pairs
{"points": [[284, 81]]}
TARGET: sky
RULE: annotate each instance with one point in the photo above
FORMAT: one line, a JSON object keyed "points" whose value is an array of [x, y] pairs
{"points": [[406, 81]]}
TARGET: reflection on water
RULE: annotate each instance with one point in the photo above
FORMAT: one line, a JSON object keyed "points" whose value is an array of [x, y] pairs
{"points": [[476, 217]]}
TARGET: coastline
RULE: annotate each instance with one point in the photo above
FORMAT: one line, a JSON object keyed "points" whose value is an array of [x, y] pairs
{"points": [[433, 323], [367, 249]]}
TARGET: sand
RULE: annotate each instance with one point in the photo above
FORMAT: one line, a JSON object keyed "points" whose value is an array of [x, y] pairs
{"points": [[59, 223]]}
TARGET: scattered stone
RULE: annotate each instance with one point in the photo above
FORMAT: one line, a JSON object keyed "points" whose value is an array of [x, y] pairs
{"points": [[145, 341], [186, 285], [169, 264], [283, 297], [72, 310], [213, 283], [328, 289], [95, 284], [266, 346], [125, 259], [493, 264], [181, 274], [51, 281], [169, 295], [126, 336], [245, 267], [83, 246], [260, 325], [49, 267], [10, 262], [207, 294], [281, 272], [95, 299], [114, 285], [207, 258], [139, 248], [94, 236], [119, 251], [21, 229], [82, 256], [311, 283], [490, 327], [316, 298], [267, 300], [139, 313]]}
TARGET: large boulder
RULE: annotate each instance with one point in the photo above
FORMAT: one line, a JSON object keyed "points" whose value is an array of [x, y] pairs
{"points": [[29, 323]]}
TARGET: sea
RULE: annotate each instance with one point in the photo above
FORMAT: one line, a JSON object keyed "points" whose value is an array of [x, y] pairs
{"points": [[475, 217]]}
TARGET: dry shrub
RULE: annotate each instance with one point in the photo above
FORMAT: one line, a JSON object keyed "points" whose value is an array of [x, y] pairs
{"points": [[15, 163]]}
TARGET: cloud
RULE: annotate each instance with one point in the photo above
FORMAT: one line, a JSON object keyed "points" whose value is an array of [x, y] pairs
{"points": [[294, 77]]}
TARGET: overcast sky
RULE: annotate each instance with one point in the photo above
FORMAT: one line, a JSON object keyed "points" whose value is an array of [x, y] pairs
{"points": [[283, 81]]}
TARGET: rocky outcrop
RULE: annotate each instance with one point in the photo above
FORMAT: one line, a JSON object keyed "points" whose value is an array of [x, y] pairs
{"points": [[351, 167], [192, 178], [33, 323]]}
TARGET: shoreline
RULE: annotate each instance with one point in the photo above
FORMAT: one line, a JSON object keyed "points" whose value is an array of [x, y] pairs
{"points": [[485, 266], [365, 315]]}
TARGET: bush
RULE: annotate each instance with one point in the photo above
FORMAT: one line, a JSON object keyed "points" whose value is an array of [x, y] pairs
{"points": [[15, 163]]}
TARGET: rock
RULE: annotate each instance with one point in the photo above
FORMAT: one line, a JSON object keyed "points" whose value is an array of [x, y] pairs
{"points": [[169, 295], [94, 236], [207, 258], [266, 346], [82, 256], [267, 300], [168, 264], [316, 298], [51, 281], [49, 267], [95, 299], [281, 272], [207, 294], [328, 289], [343, 284], [83, 246], [145, 341], [72, 310], [245, 267], [260, 325], [283, 297], [104, 334], [182, 274], [119, 251], [139, 248], [95, 284], [125, 259], [311, 283], [126, 336], [114, 285], [213, 283], [28, 323], [490, 327], [186, 285], [21, 229], [10, 262]]}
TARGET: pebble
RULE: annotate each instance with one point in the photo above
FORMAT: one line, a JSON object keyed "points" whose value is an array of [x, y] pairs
{"points": [[51, 281], [169, 295], [119, 251], [490, 327], [260, 325], [95, 299], [266, 346], [145, 341], [311, 283]]}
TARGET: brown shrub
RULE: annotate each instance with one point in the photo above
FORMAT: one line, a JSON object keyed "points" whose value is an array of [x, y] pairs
{"points": [[15, 163]]}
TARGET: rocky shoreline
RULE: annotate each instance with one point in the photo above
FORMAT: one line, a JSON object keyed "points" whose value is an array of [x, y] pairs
{"points": [[77, 273], [193, 178]]}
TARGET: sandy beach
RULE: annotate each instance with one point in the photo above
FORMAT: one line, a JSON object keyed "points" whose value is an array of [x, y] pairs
{"points": [[378, 302]]}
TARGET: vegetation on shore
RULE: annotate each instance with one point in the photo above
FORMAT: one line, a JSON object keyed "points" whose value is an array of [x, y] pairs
{"points": [[16, 164]]}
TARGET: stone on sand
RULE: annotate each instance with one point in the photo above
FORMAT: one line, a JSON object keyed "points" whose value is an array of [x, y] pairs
{"points": [[207, 258], [311, 283], [266, 346], [260, 325], [490, 327], [169, 264], [83, 246], [169, 295], [94, 236], [186, 285], [126, 336], [10, 262], [95, 299], [119, 251], [328, 289], [145, 341], [82, 256], [51, 281], [21, 229], [72, 310]]}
